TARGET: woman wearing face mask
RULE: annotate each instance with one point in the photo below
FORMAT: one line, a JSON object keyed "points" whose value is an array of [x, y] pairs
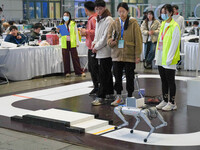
{"points": [[69, 43], [150, 29], [167, 56], [125, 39]]}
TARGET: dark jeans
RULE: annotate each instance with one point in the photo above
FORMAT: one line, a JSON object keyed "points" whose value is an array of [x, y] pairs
{"points": [[168, 83], [93, 68], [105, 77], [129, 68], [149, 52], [75, 60]]}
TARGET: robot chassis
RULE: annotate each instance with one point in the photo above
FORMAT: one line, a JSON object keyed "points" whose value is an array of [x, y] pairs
{"points": [[145, 113]]}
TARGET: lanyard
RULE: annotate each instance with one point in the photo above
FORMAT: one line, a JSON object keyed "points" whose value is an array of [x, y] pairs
{"points": [[162, 36], [122, 29]]}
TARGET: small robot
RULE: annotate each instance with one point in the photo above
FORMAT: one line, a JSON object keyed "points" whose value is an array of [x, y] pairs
{"points": [[132, 109]]}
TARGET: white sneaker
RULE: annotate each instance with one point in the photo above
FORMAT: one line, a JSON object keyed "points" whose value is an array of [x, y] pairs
{"points": [[98, 101], [118, 100], [169, 107], [68, 75], [161, 105]]}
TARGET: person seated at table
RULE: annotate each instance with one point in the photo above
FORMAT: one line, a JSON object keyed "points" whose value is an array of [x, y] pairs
{"points": [[195, 29], [14, 36], [35, 34], [10, 23]]}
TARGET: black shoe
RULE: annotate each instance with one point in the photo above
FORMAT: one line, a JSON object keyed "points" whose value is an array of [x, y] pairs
{"points": [[93, 92]]}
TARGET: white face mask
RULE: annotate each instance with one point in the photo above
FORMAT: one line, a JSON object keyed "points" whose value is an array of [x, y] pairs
{"points": [[65, 18]]}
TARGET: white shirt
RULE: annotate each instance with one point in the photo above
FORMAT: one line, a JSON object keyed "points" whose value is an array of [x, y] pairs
{"points": [[172, 49], [181, 22], [149, 26]]}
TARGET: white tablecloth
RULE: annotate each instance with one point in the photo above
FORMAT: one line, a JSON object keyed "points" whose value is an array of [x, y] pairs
{"points": [[191, 54], [24, 63]]}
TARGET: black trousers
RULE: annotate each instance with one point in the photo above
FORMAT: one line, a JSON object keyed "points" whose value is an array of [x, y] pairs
{"points": [[93, 68], [168, 83], [129, 68], [105, 77]]}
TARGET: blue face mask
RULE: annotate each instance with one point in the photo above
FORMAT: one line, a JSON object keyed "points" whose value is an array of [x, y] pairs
{"points": [[65, 18], [164, 16]]}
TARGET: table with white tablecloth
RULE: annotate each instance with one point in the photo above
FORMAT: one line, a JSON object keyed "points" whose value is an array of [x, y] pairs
{"points": [[24, 63], [190, 55]]}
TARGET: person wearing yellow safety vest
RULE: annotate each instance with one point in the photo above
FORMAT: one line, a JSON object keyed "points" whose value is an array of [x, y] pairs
{"points": [[167, 56], [69, 44]]}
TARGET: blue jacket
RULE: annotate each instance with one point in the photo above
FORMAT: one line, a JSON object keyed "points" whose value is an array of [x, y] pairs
{"points": [[12, 39]]}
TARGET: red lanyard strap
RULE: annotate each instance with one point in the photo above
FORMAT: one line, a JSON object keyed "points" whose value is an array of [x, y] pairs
{"points": [[162, 36]]}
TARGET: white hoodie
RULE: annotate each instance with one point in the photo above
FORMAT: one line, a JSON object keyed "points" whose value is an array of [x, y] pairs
{"points": [[181, 22], [100, 39]]}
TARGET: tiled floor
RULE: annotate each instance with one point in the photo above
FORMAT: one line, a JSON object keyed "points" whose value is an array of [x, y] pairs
{"points": [[12, 140]]}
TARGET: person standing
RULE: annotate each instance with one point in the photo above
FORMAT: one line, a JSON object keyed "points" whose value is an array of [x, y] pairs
{"points": [[167, 56], [69, 43], [150, 29], [125, 39], [179, 19], [103, 52], [181, 22], [89, 32]]}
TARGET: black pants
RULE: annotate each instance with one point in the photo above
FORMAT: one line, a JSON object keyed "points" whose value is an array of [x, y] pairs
{"points": [[129, 68], [93, 68], [168, 83], [105, 77]]}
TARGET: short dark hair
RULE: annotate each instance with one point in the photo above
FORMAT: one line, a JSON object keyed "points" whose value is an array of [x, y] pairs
{"points": [[37, 25], [100, 3], [11, 23], [1, 9], [196, 23], [13, 27], [169, 8], [176, 7], [89, 5]]}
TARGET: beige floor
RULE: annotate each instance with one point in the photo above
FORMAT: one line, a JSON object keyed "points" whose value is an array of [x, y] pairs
{"points": [[12, 140]]}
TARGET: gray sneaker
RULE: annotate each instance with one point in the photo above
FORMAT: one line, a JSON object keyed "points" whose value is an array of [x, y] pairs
{"points": [[118, 100], [98, 101]]}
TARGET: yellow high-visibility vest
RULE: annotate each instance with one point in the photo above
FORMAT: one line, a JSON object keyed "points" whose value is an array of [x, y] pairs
{"points": [[72, 37], [167, 40]]}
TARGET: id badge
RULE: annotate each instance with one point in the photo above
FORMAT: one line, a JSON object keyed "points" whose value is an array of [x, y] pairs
{"points": [[121, 44], [160, 46]]}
